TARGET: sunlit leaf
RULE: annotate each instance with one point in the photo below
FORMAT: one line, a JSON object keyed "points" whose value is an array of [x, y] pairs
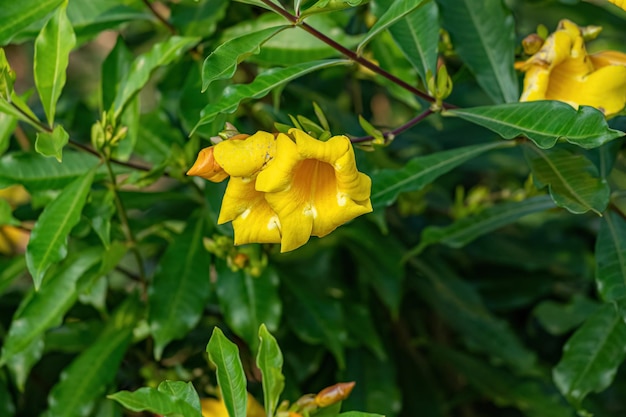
{"points": [[52, 143], [270, 361], [171, 398], [543, 122], [17, 15]]}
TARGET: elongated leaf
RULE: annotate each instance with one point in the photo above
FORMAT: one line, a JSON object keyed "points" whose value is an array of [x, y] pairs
{"points": [[572, 179], [417, 35], [10, 271], [48, 240], [592, 355], [180, 288], [17, 15], [222, 62], [248, 301], [261, 86], [261, 4], [198, 18], [114, 68], [322, 6], [169, 399], [230, 376], [465, 230], [161, 54], [484, 37], [387, 184], [269, 359], [7, 408], [396, 11], [87, 377], [460, 305], [52, 143], [7, 126], [52, 52], [543, 122], [37, 172], [611, 257], [43, 310]]}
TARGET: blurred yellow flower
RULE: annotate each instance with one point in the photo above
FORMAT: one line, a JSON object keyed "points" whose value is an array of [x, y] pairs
{"points": [[213, 407], [562, 70], [619, 3], [287, 188], [13, 239]]}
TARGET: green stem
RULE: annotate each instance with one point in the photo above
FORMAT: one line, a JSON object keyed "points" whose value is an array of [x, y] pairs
{"points": [[395, 132]]}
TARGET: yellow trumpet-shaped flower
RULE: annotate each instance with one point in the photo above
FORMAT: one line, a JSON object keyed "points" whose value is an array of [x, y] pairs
{"points": [[562, 70], [213, 407], [286, 188], [619, 3]]}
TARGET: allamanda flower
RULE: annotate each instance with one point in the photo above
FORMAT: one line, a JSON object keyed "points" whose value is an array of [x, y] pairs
{"points": [[562, 70], [286, 188]]}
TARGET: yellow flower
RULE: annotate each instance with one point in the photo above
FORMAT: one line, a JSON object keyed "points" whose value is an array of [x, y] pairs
{"points": [[562, 70], [212, 407], [13, 239], [287, 188], [619, 3]]}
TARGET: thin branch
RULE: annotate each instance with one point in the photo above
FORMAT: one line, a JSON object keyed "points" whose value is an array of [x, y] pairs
{"points": [[395, 132], [160, 17]]}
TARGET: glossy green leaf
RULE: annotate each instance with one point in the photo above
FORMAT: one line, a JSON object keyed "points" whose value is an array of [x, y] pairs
{"points": [[396, 11], [269, 359], [592, 355], [324, 6], [48, 240], [7, 127], [230, 376], [466, 229], [611, 257], [484, 38], [159, 55], [37, 172], [222, 62], [115, 66], [260, 87], [572, 179], [52, 143], [43, 310], [18, 109], [543, 122], [52, 52], [261, 4], [387, 184], [180, 288], [90, 18], [198, 18], [248, 301], [170, 398], [15, 16], [462, 307], [87, 377]]}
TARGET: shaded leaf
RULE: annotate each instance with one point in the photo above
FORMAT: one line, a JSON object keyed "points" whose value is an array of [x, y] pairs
{"points": [[160, 54], [180, 287], [170, 398], [230, 376], [387, 184], [611, 257], [466, 229], [198, 18], [222, 62], [48, 240], [261, 86], [17, 15], [592, 355], [484, 38], [261, 4], [52, 143], [52, 51], [396, 11], [10, 271], [560, 318], [7, 408], [248, 301], [543, 122], [572, 179], [7, 127], [269, 359], [114, 67]]}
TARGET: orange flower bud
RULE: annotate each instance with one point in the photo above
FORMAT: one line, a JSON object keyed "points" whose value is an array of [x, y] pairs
{"points": [[207, 167], [334, 394]]}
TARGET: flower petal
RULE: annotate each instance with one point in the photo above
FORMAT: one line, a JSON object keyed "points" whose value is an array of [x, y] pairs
{"points": [[244, 158], [206, 166]]}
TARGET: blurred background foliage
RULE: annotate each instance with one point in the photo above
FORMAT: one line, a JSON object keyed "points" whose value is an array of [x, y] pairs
{"points": [[466, 320]]}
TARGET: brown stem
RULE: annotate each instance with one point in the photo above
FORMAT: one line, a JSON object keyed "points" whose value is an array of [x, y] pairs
{"points": [[393, 133], [160, 17]]}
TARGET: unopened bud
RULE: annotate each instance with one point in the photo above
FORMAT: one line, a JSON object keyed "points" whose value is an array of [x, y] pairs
{"points": [[207, 167]]}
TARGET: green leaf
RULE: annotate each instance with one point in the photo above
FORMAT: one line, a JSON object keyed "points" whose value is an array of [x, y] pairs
{"points": [[543, 122], [592, 355], [43, 310], [323, 6], [37, 172], [198, 18], [48, 240], [260, 87], [387, 184], [466, 229], [17, 15], [572, 179], [417, 36], [87, 377], [171, 398], [180, 287], [222, 62], [261, 4], [611, 257], [269, 359], [230, 376], [248, 301], [359, 414], [7, 127], [114, 67], [10, 271], [395, 12], [484, 38], [6, 214], [52, 143], [560, 318], [7, 408], [52, 52], [159, 55]]}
